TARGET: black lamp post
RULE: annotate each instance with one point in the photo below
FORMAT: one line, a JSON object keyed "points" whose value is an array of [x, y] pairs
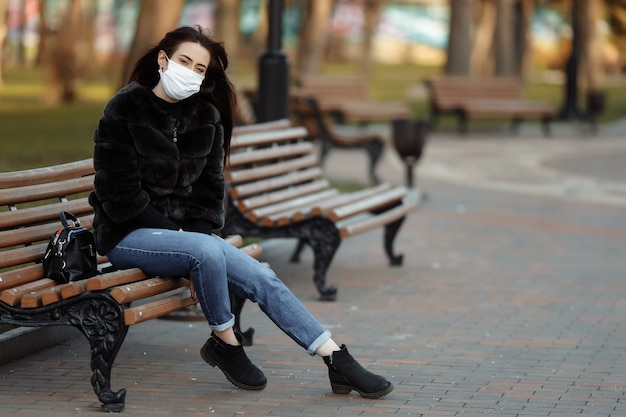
{"points": [[409, 138], [273, 86], [570, 108]]}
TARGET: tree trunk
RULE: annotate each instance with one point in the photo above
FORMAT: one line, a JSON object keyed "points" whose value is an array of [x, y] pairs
{"points": [[592, 76], [4, 29], [227, 26], [314, 36], [482, 58], [44, 34], [156, 18], [372, 16], [259, 37], [504, 44], [525, 11], [64, 62], [459, 43]]}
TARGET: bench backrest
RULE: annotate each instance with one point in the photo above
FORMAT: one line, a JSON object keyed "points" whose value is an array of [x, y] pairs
{"points": [[30, 203], [450, 91], [346, 87], [270, 167]]}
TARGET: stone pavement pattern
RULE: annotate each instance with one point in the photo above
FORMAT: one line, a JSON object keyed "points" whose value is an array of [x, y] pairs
{"points": [[511, 302]]}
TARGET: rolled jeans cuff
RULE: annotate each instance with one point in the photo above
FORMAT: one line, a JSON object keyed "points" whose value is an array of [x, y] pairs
{"points": [[323, 338], [221, 327]]}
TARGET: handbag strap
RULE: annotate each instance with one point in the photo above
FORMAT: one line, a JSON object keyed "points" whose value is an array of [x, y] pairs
{"points": [[65, 216]]}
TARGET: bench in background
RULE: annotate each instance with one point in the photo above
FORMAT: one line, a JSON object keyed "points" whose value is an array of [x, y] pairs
{"points": [[485, 97], [347, 99], [102, 307], [306, 112], [277, 190]]}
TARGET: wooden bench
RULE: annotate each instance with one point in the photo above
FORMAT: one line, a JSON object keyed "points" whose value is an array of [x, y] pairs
{"points": [[102, 307], [347, 99], [485, 97], [306, 112], [277, 190]]}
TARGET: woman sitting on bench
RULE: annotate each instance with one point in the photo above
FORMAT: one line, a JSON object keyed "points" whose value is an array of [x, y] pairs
{"points": [[160, 151]]}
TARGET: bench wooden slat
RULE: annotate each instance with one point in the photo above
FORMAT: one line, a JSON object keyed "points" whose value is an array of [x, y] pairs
{"points": [[41, 297], [146, 288], [35, 233], [289, 179], [280, 213], [55, 294], [267, 138], [262, 127], [37, 192], [350, 198], [20, 276], [269, 170], [13, 296], [296, 191], [372, 203], [270, 153], [23, 255], [375, 221], [158, 308], [112, 279], [46, 174], [43, 213]]}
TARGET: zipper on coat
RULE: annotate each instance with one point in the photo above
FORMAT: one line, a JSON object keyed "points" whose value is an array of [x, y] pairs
{"points": [[175, 132]]}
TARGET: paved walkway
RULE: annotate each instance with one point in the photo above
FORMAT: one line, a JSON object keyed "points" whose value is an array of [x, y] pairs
{"points": [[511, 302]]}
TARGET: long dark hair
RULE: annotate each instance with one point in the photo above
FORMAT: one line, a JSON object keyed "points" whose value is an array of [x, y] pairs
{"points": [[216, 85]]}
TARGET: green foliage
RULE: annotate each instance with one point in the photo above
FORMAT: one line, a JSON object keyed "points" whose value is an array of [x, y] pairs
{"points": [[37, 134]]}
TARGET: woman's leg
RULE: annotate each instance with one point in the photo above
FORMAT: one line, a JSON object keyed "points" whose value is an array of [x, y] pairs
{"points": [[250, 279], [208, 260], [199, 257], [182, 254]]}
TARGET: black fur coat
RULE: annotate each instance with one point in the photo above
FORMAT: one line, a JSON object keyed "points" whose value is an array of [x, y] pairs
{"points": [[156, 169]]}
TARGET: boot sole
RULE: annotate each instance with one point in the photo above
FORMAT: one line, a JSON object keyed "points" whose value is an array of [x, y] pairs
{"points": [[346, 389], [213, 364]]}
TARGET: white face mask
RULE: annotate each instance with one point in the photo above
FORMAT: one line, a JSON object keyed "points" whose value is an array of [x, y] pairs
{"points": [[180, 82]]}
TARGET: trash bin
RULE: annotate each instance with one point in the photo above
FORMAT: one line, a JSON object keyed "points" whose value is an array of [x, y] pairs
{"points": [[409, 138]]}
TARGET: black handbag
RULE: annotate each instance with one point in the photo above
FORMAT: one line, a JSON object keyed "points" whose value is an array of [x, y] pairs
{"points": [[71, 252]]}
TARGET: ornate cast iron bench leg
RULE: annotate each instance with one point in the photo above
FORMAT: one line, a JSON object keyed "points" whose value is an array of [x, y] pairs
{"points": [[101, 320]]}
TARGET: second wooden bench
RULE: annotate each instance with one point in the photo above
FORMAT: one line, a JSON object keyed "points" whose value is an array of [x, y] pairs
{"points": [[485, 97], [277, 189]]}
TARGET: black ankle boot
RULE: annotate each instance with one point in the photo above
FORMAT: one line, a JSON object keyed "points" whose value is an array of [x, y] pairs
{"points": [[232, 360], [346, 374]]}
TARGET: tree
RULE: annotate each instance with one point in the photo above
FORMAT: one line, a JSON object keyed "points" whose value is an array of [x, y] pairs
{"points": [[156, 18], [64, 62], [524, 35], [460, 37], [3, 32], [591, 58], [227, 25], [372, 16], [314, 35], [481, 58], [504, 47]]}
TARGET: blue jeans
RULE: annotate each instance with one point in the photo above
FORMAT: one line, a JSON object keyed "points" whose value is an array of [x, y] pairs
{"points": [[215, 267]]}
